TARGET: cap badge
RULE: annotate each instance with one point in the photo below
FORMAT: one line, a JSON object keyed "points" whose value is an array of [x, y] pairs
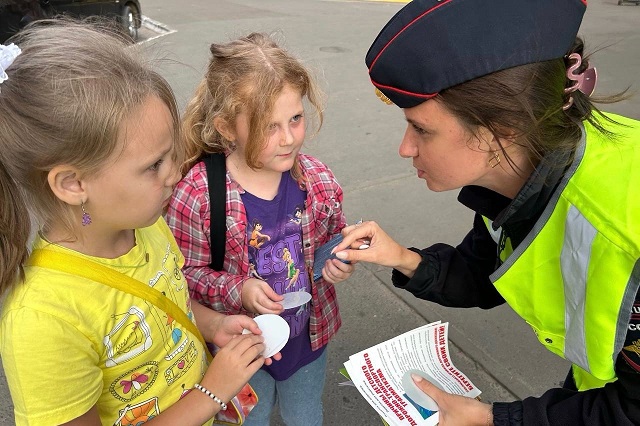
{"points": [[383, 97]]}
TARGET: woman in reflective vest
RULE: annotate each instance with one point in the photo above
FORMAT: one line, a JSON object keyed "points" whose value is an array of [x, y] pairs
{"points": [[497, 97]]}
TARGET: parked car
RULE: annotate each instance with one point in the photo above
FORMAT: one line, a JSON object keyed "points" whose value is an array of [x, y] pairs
{"points": [[15, 14]]}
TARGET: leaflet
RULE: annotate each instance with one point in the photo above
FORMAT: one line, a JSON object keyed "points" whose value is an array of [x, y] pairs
{"points": [[377, 373]]}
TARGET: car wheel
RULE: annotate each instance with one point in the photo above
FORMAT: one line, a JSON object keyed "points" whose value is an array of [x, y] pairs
{"points": [[131, 20]]}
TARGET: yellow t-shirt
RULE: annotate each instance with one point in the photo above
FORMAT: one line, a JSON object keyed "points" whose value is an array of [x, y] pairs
{"points": [[68, 343]]}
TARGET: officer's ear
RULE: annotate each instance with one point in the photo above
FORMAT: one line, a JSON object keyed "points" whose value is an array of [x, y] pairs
{"points": [[487, 141]]}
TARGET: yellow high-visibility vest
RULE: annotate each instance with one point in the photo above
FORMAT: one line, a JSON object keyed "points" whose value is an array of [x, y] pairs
{"points": [[574, 278]]}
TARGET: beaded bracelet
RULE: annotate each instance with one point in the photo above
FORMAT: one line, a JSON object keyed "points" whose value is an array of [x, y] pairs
{"points": [[210, 395]]}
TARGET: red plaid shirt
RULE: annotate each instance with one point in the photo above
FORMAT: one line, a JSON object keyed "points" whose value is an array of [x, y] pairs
{"points": [[189, 219]]}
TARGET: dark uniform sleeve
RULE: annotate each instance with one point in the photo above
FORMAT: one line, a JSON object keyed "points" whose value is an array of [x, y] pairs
{"points": [[459, 277], [618, 403], [456, 276]]}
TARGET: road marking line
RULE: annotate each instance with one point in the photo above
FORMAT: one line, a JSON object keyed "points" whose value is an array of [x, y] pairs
{"points": [[156, 27]]}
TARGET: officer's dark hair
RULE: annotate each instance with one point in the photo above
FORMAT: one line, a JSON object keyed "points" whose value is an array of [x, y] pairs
{"points": [[526, 102]]}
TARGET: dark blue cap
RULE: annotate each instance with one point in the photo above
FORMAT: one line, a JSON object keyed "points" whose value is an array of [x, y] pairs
{"points": [[431, 45]]}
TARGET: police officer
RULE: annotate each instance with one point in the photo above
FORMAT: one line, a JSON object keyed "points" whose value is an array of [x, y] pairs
{"points": [[497, 97]]}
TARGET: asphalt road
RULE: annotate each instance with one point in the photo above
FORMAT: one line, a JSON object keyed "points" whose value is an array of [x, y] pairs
{"points": [[359, 141]]}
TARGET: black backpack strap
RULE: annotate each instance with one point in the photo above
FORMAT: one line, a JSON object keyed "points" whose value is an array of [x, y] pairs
{"points": [[216, 175]]}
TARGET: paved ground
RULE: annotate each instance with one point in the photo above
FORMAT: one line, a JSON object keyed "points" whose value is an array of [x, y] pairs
{"points": [[359, 142]]}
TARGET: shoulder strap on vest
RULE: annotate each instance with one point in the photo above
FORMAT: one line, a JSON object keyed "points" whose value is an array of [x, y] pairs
{"points": [[217, 180]]}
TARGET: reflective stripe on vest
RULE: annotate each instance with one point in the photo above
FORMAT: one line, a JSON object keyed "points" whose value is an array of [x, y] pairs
{"points": [[574, 278]]}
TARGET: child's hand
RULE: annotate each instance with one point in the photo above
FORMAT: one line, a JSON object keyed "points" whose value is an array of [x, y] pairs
{"points": [[258, 297], [335, 271], [232, 326], [233, 366]]}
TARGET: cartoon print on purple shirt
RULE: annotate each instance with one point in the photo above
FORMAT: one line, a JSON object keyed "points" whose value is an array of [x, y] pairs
{"points": [[292, 271], [274, 233], [296, 217], [257, 238], [253, 273], [279, 262]]}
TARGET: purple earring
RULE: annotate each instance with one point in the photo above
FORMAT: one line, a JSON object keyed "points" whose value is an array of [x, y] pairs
{"points": [[86, 218]]}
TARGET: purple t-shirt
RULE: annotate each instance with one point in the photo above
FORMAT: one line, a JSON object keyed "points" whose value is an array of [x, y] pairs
{"points": [[274, 233]]}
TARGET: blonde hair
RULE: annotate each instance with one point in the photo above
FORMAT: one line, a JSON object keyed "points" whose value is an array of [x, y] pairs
{"points": [[64, 102], [245, 75]]}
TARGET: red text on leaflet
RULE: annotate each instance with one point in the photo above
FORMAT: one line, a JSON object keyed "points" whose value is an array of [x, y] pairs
{"points": [[387, 394], [444, 360]]}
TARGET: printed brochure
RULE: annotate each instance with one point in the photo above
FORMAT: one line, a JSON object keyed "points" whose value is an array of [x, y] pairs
{"points": [[377, 373]]}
